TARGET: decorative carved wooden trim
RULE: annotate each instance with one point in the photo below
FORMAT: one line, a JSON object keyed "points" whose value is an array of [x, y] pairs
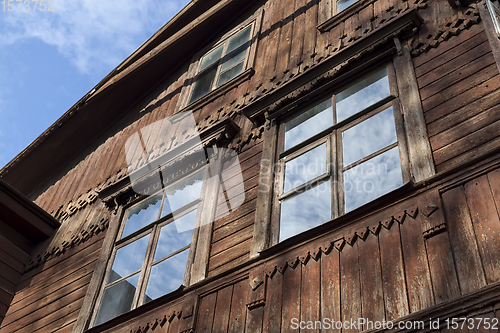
{"points": [[72, 207], [75, 240], [184, 312], [452, 27], [323, 74], [339, 244], [256, 296], [250, 139], [121, 191], [434, 231]]}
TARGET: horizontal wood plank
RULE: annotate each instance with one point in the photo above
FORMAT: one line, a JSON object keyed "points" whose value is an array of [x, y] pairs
{"points": [[462, 115], [467, 143]]}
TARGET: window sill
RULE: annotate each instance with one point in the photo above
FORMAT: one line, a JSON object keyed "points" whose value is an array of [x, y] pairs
{"points": [[219, 91], [343, 15]]}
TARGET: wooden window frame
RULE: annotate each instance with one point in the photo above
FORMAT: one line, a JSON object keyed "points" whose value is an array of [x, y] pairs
{"points": [[332, 136], [153, 229], [248, 69], [494, 11]]}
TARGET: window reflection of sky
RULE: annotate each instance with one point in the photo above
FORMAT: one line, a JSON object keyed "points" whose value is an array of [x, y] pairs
{"points": [[171, 239], [305, 167], [343, 4], [129, 259], [371, 135], [305, 211], [182, 193], [362, 94], [117, 299], [239, 39], [372, 179], [142, 215], [166, 276], [308, 123]]}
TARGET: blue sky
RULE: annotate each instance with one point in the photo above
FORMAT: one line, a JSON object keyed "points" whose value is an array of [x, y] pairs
{"points": [[49, 60]]}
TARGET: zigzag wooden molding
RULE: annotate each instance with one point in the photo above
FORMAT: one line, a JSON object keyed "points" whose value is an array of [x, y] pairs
{"points": [[350, 239], [179, 312], [453, 27]]}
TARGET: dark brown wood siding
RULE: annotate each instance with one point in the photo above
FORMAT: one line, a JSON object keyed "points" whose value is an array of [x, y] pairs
{"points": [[459, 84], [49, 297]]}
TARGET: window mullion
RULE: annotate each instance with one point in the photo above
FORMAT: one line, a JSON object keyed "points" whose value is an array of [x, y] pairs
{"points": [[340, 176], [333, 175], [219, 66], [146, 267]]}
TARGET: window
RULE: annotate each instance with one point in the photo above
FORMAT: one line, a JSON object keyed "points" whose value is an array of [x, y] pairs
{"points": [[343, 4], [152, 248], [340, 153], [494, 10], [222, 63]]}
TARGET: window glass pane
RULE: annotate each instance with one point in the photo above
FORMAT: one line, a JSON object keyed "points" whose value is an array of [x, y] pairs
{"points": [[233, 59], [142, 214], [308, 123], [305, 167], [372, 179], [305, 211], [117, 299], [211, 57], [129, 259], [362, 94], [239, 39], [175, 235], [343, 4], [228, 75], [369, 136], [166, 276], [203, 84], [182, 193]]}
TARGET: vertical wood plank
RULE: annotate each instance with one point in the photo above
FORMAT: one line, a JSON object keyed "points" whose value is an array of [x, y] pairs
{"points": [[254, 320], [206, 311], [442, 268], [486, 225], [291, 297], [297, 38], [272, 45], [463, 243], [262, 48], [238, 307], [418, 279], [395, 293], [221, 316], [282, 66], [272, 311], [330, 286], [310, 33], [350, 286], [174, 325], [310, 293], [372, 297]]}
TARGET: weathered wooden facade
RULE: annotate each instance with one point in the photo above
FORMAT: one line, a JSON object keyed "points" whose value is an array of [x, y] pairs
{"points": [[426, 248]]}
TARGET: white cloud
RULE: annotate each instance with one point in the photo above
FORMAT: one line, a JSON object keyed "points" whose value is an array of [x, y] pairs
{"points": [[94, 35]]}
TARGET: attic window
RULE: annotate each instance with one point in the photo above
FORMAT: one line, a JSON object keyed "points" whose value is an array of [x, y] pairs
{"points": [[343, 4], [223, 64]]}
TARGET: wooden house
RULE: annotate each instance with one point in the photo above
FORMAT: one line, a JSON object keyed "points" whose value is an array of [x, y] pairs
{"points": [[270, 166]]}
